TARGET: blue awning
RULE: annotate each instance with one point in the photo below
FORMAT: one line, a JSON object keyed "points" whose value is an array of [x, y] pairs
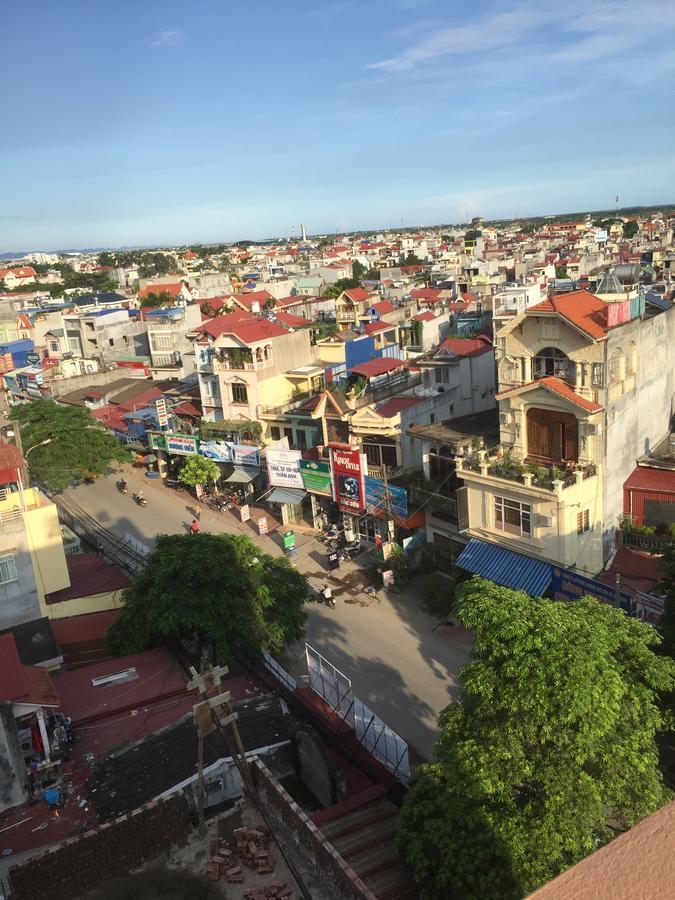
{"points": [[513, 570]]}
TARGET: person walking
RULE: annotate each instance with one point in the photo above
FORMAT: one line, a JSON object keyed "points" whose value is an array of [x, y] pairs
{"points": [[194, 528]]}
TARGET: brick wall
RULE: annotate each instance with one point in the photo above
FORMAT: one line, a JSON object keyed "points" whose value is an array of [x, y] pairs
{"points": [[303, 841], [116, 848]]}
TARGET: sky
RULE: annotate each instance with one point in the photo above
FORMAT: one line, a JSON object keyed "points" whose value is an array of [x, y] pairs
{"points": [[150, 122]]}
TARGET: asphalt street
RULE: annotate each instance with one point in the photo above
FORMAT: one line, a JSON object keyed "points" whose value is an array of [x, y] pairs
{"points": [[399, 665]]}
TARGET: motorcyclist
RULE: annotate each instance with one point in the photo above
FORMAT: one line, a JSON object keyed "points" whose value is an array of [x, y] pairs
{"points": [[123, 485], [327, 595], [140, 498]]}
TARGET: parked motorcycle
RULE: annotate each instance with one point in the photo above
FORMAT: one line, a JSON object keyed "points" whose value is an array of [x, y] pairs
{"points": [[140, 500]]}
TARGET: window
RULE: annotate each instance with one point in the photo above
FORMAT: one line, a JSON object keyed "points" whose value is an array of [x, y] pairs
{"points": [[598, 375], [111, 342], [616, 366], [551, 361], [7, 569], [442, 376], [239, 394], [162, 341], [74, 344], [275, 433], [583, 521], [53, 346], [513, 517]]}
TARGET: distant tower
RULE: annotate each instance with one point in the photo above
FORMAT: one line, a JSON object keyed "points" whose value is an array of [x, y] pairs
{"points": [[304, 233], [617, 204]]}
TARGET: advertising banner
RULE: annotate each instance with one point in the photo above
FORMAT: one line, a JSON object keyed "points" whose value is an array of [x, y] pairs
{"points": [[566, 585], [181, 444], [377, 495], [283, 469], [218, 451], [156, 441], [243, 455], [347, 465], [162, 414], [648, 608], [316, 477]]}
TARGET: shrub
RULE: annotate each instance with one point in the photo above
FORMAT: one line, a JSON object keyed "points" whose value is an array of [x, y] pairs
{"points": [[439, 595]]}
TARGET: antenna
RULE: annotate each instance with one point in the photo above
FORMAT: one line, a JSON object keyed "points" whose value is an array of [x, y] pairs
{"points": [[617, 204]]}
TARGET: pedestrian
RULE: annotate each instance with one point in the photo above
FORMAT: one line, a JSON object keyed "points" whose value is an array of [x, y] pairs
{"points": [[194, 528]]}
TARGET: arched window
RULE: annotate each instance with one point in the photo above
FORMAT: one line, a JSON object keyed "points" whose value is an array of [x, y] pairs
{"points": [[631, 359], [509, 371], [616, 366], [551, 361], [268, 352], [258, 354]]}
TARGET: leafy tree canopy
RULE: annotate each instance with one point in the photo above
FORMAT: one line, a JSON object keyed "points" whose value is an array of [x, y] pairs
{"points": [[550, 753], [217, 587], [342, 284], [358, 270], [157, 299], [78, 448], [630, 229], [199, 470]]}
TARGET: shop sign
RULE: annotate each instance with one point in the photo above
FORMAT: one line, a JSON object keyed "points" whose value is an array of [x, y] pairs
{"points": [[648, 608], [316, 477], [181, 444], [162, 414], [380, 497], [156, 441], [566, 586], [243, 455], [262, 525], [245, 512], [219, 451], [283, 468], [348, 466]]}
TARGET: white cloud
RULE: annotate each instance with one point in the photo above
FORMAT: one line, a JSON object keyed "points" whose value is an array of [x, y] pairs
{"points": [[170, 37]]}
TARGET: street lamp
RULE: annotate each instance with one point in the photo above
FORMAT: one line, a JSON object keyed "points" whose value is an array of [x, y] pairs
{"points": [[25, 459], [35, 446]]}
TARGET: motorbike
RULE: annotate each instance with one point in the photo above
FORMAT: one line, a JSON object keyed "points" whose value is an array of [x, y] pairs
{"points": [[122, 486], [329, 601], [141, 501], [351, 549]]}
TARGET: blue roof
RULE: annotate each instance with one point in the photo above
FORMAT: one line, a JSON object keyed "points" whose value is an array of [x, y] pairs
{"points": [[513, 570], [657, 301], [103, 312], [101, 297]]}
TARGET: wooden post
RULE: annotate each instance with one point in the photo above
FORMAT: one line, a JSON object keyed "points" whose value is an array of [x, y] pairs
{"points": [[200, 785]]}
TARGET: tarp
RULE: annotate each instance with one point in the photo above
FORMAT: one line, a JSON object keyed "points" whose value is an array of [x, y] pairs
{"points": [[286, 495], [241, 475], [505, 567]]}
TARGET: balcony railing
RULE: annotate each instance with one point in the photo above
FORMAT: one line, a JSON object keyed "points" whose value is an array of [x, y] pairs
{"points": [[226, 364], [380, 471], [11, 514], [509, 468]]}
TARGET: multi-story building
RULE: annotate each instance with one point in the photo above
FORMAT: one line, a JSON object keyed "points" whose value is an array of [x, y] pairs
{"points": [[171, 351], [32, 559], [105, 334], [245, 366], [352, 306], [585, 387]]}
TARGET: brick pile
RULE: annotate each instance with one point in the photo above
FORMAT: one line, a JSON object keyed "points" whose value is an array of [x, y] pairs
{"points": [[251, 851]]}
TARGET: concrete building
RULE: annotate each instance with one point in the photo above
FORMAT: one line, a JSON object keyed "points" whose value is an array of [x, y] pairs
{"points": [[105, 334], [171, 351], [32, 559]]}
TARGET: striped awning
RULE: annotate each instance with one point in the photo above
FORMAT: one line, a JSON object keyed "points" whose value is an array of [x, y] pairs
{"points": [[286, 495], [505, 567]]}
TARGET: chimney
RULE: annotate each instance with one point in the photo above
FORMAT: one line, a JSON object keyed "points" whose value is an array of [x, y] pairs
{"points": [[304, 233]]}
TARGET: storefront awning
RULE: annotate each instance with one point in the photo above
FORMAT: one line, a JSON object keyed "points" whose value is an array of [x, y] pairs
{"points": [[286, 495], [505, 567], [241, 475]]}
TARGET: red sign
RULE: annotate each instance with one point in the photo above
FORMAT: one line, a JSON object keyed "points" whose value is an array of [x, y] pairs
{"points": [[347, 468]]}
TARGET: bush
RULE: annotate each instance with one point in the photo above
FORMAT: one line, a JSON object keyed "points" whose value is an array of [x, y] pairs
{"points": [[439, 595]]}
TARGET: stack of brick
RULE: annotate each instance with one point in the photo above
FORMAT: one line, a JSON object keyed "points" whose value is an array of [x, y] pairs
{"points": [[252, 844], [223, 862], [277, 890]]}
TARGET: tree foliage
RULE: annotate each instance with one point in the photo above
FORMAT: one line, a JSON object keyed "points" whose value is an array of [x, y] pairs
{"points": [[358, 270], [79, 446], [198, 470], [551, 751], [342, 284], [630, 229], [216, 587], [161, 298]]}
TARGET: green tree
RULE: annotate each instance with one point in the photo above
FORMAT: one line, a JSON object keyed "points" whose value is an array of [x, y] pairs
{"points": [[358, 270], [342, 284], [667, 623], [79, 447], [412, 259], [550, 753], [561, 271], [155, 299], [217, 587], [198, 470], [630, 229]]}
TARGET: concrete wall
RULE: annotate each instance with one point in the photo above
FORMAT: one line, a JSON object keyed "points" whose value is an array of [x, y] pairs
{"points": [[19, 600], [82, 606], [639, 411], [45, 543], [61, 386], [13, 789]]}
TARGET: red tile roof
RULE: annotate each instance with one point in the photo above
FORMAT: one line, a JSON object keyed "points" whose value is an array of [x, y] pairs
{"points": [[187, 409], [89, 575], [384, 307], [356, 295], [173, 289], [375, 367], [394, 406], [374, 327], [250, 331], [223, 324], [10, 461], [430, 295], [463, 347], [557, 386], [83, 629], [24, 272], [643, 478], [292, 321], [246, 300], [426, 316], [23, 684], [581, 308]]}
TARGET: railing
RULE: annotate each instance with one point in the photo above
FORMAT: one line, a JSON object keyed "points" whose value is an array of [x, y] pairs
{"points": [[509, 468], [224, 365], [380, 392], [650, 543], [379, 471], [283, 408], [11, 514]]}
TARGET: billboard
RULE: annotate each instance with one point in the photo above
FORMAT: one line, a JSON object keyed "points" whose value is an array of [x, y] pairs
{"points": [[162, 414], [218, 451], [348, 465], [283, 469], [243, 455], [316, 477], [181, 444], [648, 608], [566, 585], [377, 495]]}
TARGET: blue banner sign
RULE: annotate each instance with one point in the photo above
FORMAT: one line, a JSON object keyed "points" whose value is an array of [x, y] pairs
{"points": [[377, 494], [566, 586]]}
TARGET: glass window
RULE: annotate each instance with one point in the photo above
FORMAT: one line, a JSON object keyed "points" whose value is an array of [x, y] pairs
{"points": [[275, 433], [513, 517], [239, 394], [583, 521], [7, 569]]}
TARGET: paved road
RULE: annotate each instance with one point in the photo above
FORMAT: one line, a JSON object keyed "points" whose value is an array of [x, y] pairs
{"points": [[399, 666]]}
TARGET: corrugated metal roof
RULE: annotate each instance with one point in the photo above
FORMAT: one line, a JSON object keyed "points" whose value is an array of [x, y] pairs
{"points": [[644, 478], [513, 570], [286, 495]]}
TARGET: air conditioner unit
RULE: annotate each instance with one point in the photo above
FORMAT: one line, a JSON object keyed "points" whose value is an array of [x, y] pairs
{"points": [[591, 428], [545, 521], [504, 418]]}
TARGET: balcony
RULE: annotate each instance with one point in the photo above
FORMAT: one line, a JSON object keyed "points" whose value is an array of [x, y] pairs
{"points": [[397, 384], [239, 362], [505, 467]]}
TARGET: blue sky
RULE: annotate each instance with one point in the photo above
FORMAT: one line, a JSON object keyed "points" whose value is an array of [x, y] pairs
{"points": [[154, 121]]}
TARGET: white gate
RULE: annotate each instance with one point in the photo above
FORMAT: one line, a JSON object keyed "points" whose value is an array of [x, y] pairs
{"points": [[331, 684]]}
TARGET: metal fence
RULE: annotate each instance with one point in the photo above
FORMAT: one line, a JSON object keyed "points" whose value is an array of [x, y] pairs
{"points": [[375, 735], [278, 671]]}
